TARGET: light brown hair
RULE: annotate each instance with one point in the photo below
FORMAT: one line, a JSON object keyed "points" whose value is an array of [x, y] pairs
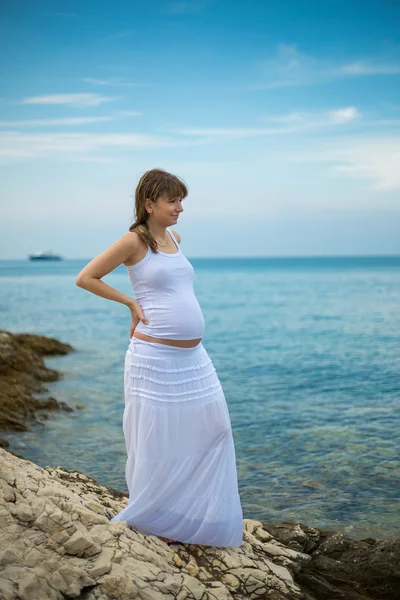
{"points": [[153, 184]]}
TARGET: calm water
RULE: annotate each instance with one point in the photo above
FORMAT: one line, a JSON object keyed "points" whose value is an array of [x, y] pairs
{"points": [[307, 351]]}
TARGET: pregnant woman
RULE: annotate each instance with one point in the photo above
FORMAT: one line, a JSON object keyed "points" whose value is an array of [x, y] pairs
{"points": [[181, 465]]}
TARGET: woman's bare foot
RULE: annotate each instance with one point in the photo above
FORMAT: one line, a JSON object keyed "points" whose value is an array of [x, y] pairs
{"points": [[165, 539]]}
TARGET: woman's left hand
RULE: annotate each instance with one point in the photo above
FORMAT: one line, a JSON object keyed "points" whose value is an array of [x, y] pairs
{"points": [[137, 315], [135, 321]]}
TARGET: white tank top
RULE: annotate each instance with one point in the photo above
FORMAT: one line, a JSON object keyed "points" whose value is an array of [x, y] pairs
{"points": [[163, 286]]}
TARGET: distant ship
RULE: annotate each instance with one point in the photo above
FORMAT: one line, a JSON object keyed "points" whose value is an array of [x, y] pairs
{"points": [[44, 255]]}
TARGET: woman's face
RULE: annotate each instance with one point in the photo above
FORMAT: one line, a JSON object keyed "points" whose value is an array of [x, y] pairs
{"points": [[166, 211]]}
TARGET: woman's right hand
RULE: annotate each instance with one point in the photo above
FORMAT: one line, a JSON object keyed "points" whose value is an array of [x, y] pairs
{"points": [[137, 315]]}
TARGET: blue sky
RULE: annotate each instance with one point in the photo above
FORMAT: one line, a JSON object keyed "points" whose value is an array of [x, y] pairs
{"points": [[283, 118]]}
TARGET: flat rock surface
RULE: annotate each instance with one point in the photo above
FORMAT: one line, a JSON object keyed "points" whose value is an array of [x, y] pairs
{"points": [[57, 542]]}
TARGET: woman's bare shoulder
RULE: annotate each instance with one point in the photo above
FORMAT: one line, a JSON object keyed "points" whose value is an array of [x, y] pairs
{"points": [[135, 247], [130, 237]]}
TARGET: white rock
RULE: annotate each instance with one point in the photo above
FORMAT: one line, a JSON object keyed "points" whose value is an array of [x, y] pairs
{"points": [[57, 540]]}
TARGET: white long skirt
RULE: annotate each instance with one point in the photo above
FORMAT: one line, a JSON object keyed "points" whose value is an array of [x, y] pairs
{"points": [[181, 464]]}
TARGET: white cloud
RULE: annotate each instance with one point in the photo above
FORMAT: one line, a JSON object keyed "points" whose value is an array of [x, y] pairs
{"points": [[78, 100], [344, 115], [116, 81], [226, 132], [290, 123], [68, 121], [372, 159], [15, 145], [381, 165], [19, 146], [290, 67], [370, 68], [288, 119]]}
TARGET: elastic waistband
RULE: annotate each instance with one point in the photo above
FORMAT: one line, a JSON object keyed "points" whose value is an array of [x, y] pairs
{"points": [[163, 349]]}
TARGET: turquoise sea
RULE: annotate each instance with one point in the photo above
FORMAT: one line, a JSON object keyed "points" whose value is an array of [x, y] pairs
{"points": [[308, 354]]}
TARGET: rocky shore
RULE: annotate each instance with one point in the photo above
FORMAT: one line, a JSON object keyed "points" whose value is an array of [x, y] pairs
{"points": [[24, 374], [57, 540]]}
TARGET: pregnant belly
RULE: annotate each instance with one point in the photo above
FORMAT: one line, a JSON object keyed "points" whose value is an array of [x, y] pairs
{"points": [[177, 321]]}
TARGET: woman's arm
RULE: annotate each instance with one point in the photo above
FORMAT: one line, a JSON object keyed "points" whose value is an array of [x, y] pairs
{"points": [[90, 276]]}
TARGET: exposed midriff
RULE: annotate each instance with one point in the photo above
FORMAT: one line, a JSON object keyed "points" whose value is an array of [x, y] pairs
{"points": [[180, 343]]}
